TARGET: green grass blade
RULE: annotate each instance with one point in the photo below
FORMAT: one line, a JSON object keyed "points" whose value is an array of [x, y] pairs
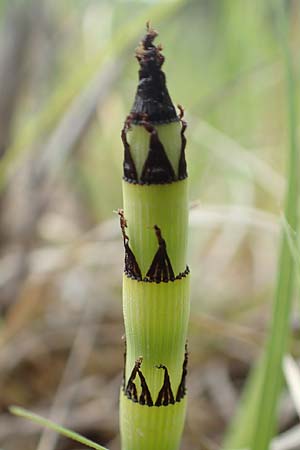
{"points": [[256, 424], [265, 422], [293, 246], [21, 412], [241, 429]]}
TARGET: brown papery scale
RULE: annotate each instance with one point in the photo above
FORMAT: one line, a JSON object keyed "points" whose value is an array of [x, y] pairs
{"points": [[152, 98]]}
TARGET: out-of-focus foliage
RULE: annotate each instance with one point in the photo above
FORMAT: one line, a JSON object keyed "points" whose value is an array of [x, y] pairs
{"points": [[67, 80]]}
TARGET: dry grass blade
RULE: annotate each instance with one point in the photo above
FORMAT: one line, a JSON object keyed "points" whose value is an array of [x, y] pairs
{"points": [[74, 124], [289, 440], [213, 215], [78, 357], [15, 40], [292, 375]]}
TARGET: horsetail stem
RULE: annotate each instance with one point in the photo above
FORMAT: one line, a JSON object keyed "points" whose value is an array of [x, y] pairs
{"points": [[156, 278]]}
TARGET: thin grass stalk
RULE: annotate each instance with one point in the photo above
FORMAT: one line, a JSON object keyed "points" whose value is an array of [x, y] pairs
{"points": [[63, 431], [256, 425], [156, 278]]}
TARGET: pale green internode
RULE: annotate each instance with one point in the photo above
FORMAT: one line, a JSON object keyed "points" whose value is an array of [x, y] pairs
{"points": [[169, 135], [156, 320], [151, 428], [164, 205]]}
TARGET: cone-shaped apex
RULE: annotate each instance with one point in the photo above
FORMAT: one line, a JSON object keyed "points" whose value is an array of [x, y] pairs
{"points": [[152, 99]]}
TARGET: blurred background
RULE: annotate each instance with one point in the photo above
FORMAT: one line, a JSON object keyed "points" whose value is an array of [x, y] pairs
{"points": [[67, 81]]}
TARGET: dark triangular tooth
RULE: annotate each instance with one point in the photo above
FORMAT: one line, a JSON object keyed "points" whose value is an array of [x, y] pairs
{"points": [[131, 269], [152, 97], [131, 266], [145, 396], [157, 168], [129, 169], [182, 168], [154, 272], [131, 390], [124, 368], [165, 396], [181, 391], [170, 271], [161, 267]]}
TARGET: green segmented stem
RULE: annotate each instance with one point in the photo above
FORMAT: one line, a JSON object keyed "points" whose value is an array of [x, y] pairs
{"points": [[156, 280], [155, 315], [166, 206]]}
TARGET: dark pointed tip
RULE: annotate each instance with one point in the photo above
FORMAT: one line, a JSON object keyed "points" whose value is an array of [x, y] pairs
{"points": [[152, 99]]}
